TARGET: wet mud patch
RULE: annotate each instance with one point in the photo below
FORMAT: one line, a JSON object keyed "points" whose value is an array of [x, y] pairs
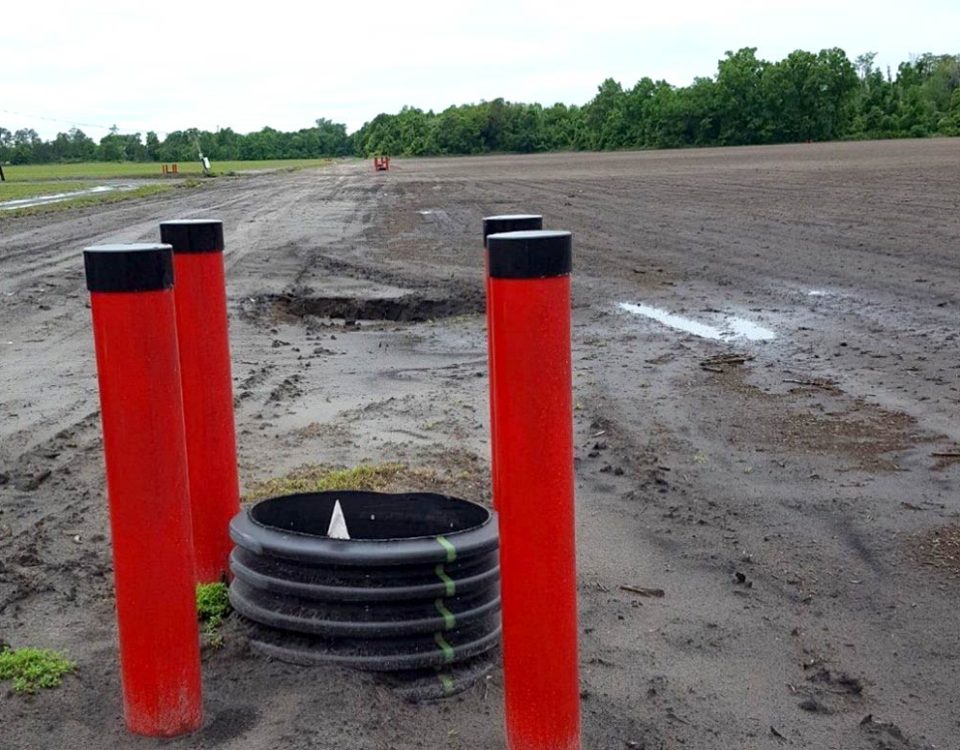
{"points": [[884, 735], [230, 723], [288, 389], [828, 423], [829, 692], [407, 308], [937, 548]]}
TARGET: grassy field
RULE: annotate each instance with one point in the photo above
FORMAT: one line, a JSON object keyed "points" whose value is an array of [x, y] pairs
{"points": [[96, 199], [11, 191], [34, 180], [108, 170]]}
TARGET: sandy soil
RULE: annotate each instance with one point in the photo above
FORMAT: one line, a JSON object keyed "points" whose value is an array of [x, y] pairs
{"points": [[784, 493]]}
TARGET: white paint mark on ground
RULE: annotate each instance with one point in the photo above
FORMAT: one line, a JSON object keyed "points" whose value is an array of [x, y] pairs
{"points": [[732, 327], [817, 293], [42, 200]]}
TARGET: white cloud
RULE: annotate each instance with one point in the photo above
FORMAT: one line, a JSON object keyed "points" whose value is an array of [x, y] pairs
{"points": [[180, 64]]}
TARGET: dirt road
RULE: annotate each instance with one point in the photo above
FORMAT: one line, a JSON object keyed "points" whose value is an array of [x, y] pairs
{"points": [[771, 470]]}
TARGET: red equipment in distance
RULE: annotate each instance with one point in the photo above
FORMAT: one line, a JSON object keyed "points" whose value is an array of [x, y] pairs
{"points": [[381, 163]]}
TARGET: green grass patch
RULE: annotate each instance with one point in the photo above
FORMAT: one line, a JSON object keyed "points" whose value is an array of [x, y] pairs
{"points": [[386, 477], [33, 669], [119, 170], [12, 191], [97, 199]]}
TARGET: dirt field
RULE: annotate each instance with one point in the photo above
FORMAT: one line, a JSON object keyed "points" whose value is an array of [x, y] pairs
{"points": [[783, 492]]}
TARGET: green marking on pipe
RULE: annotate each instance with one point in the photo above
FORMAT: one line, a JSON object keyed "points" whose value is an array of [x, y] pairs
{"points": [[446, 682], [449, 621], [448, 582], [451, 550], [444, 646]]}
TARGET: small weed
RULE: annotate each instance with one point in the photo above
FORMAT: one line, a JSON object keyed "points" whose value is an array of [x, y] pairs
{"points": [[459, 320], [213, 604], [33, 668]]}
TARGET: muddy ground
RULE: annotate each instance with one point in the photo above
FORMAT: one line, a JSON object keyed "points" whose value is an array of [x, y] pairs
{"points": [[784, 493]]}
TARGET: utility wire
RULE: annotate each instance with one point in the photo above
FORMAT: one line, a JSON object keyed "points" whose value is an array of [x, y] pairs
{"points": [[72, 123]]}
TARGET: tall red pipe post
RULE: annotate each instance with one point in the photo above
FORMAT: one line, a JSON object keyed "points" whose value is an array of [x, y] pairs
{"points": [[498, 225], [201, 304], [135, 334], [529, 307]]}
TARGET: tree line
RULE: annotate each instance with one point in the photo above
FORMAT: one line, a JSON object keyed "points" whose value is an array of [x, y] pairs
{"points": [[803, 97], [326, 138]]}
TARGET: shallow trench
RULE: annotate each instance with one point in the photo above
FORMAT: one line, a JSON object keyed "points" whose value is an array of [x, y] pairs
{"points": [[408, 308]]}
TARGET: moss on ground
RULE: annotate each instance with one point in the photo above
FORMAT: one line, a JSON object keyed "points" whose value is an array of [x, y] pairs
{"points": [[385, 477]]}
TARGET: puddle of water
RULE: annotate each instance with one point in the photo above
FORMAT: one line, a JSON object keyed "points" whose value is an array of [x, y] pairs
{"points": [[42, 200], [733, 327], [741, 328], [434, 215]]}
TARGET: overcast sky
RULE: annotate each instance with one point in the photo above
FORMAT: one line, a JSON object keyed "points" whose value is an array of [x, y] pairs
{"points": [[171, 65]]}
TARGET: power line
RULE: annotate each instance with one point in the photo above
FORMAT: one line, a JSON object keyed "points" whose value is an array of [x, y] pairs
{"points": [[72, 123]]}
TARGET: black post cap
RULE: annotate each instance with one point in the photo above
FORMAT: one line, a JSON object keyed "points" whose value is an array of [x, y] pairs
{"points": [[193, 235], [141, 267], [529, 255], [510, 223]]}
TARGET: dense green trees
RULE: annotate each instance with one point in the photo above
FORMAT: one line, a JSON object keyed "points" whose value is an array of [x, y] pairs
{"points": [[804, 97], [26, 147], [326, 138]]}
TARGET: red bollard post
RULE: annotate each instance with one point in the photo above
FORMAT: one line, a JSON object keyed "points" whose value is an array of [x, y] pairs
{"points": [[498, 225], [201, 303], [529, 306], [134, 328]]}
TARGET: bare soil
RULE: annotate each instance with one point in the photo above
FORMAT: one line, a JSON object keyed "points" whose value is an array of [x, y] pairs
{"points": [[786, 501]]}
